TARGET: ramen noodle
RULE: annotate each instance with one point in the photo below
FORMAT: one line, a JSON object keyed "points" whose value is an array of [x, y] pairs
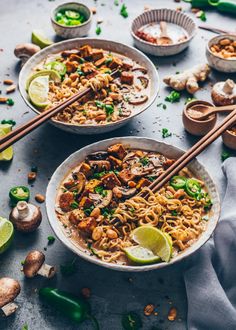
{"points": [[98, 203]]}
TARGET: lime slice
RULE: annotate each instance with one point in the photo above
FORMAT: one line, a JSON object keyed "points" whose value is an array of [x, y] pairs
{"points": [[6, 234], [39, 39], [38, 91], [141, 255], [155, 240], [53, 75], [7, 154]]}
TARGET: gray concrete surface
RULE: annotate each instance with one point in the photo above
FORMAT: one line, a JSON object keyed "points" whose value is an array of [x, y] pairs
{"points": [[112, 292]]}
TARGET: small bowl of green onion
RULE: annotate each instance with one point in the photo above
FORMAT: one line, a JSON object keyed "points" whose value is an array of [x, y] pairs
{"points": [[71, 20]]}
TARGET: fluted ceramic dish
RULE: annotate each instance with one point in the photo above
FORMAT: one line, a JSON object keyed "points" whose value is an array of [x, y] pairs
{"points": [[136, 143], [169, 16], [97, 43], [219, 63]]}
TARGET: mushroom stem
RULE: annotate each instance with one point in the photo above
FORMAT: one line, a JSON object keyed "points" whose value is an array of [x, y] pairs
{"points": [[47, 271], [23, 209], [9, 308], [228, 86]]}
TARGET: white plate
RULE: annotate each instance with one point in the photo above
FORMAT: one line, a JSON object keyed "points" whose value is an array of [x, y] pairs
{"points": [[109, 45], [133, 142]]}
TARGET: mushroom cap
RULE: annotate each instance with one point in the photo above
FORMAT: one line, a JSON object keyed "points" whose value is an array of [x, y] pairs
{"points": [[9, 290], [26, 50], [33, 262], [28, 223], [220, 97]]}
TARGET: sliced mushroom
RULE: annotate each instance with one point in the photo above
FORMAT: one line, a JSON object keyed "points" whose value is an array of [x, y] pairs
{"points": [[100, 165], [9, 290], [101, 201], [125, 113], [141, 69], [156, 160], [138, 169], [26, 217], [144, 81], [34, 265], [25, 51], [224, 93], [122, 192], [100, 155], [77, 184], [137, 100]]}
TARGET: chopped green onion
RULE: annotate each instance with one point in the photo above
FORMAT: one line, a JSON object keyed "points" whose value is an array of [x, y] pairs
{"points": [[165, 133], [123, 11], [98, 30], [10, 102], [173, 97], [51, 240]]}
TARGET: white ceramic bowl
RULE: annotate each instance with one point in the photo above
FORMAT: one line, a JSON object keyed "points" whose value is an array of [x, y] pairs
{"points": [[77, 31], [133, 142], [219, 63], [167, 15], [97, 43]]}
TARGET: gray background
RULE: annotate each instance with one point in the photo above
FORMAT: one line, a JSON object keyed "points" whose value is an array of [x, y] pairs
{"points": [[112, 292]]}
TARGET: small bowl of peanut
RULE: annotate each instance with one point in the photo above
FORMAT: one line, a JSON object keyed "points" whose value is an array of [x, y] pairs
{"points": [[221, 53]]}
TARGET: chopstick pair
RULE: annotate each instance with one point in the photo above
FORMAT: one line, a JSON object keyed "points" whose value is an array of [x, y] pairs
{"points": [[190, 154], [12, 137]]}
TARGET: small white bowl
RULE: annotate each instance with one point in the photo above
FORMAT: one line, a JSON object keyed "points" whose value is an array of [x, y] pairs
{"points": [[136, 143], [219, 63], [167, 15], [69, 32]]}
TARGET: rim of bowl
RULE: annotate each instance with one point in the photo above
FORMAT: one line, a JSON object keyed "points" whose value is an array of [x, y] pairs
{"points": [[127, 268], [146, 106], [214, 116], [56, 9], [190, 37], [217, 38]]}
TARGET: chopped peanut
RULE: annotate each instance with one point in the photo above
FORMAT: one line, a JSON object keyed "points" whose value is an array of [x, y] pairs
{"points": [[149, 309], [32, 176], [8, 82], [86, 292], [225, 48], [112, 234], [11, 89], [39, 198], [172, 314]]}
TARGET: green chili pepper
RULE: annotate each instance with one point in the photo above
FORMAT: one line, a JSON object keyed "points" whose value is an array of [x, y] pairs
{"points": [[198, 3], [71, 306], [223, 6], [131, 321], [57, 66], [19, 193], [178, 182], [192, 187]]}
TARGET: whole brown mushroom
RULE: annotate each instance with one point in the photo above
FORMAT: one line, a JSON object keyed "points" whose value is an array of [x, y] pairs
{"points": [[9, 290], [224, 93], [25, 51], [26, 217], [34, 265]]}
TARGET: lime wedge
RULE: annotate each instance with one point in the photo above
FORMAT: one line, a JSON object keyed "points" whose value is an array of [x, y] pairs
{"points": [[155, 240], [6, 234], [53, 75], [38, 91], [141, 255], [7, 154], [39, 39]]}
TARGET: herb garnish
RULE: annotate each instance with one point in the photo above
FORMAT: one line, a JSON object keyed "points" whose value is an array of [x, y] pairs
{"points": [[116, 2], [8, 121], [225, 155], [165, 133], [203, 16], [10, 102], [88, 211], [100, 190], [25, 327], [174, 96], [131, 321], [123, 11], [144, 161], [174, 213], [98, 30], [51, 240], [74, 205]]}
